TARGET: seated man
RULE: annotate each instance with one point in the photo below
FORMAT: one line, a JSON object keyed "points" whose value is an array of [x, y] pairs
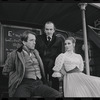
{"points": [[26, 72]]}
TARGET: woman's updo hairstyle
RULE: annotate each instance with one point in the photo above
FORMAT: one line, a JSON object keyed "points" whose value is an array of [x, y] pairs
{"points": [[72, 39]]}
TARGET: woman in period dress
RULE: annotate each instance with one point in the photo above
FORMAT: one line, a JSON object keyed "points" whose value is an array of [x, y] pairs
{"points": [[69, 65]]}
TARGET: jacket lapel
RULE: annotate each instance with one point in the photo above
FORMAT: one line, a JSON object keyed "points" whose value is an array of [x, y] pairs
{"points": [[41, 64], [52, 41]]}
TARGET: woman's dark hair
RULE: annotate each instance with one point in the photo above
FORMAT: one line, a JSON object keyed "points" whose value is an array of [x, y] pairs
{"points": [[25, 34]]}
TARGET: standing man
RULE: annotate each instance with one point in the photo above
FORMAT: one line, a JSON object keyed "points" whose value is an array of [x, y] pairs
{"points": [[26, 72], [49, 47]]}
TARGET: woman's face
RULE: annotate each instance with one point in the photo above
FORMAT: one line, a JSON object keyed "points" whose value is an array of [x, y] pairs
{"points": [[69, 46]]}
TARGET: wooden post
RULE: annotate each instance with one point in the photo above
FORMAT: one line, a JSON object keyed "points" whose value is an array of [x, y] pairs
{"points": [[82, 7], [0, 44]]}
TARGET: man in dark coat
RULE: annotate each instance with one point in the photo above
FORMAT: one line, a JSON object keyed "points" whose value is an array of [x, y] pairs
{"points": [[49, 47], [26, 71]]}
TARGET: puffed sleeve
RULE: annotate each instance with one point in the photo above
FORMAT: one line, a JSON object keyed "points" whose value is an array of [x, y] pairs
{"points": [[58, 65], [81, 65]]}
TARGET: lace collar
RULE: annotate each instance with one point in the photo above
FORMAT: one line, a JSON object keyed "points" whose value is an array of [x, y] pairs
{"points": [[69, 53]]}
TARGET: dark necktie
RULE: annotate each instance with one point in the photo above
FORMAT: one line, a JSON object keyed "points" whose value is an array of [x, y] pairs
{"points": [[49, 38]]}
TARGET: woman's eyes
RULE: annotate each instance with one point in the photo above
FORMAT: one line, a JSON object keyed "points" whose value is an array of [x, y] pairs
{"points": [[67, 43]]}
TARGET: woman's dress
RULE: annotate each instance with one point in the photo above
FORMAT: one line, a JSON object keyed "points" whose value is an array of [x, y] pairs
{"points": [[76, 84]]}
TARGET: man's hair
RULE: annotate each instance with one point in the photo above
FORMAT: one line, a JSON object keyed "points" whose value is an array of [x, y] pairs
{"points": [[50, 22], [25, 34]]}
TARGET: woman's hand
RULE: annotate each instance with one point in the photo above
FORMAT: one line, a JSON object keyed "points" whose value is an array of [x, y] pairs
{"points": [[60, 78], [56, 74], [62, 71]]}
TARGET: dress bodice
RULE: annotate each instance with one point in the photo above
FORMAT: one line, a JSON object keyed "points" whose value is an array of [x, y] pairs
{"points": [[72, 60], [69, 61]]}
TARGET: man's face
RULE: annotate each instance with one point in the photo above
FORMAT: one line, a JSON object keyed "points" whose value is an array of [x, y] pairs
{"points": [[31, 41], [49, 29]]}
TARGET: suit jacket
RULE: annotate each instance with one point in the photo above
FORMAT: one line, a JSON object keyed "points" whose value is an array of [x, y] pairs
{"points": [[15, 67], [49, 51]]}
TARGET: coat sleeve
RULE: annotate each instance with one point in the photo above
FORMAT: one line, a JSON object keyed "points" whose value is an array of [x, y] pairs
{"points": [[58, 65], [9, 64], [61, 47]]}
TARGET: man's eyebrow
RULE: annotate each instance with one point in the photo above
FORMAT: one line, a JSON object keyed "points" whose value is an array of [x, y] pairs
{"points": [[31, 39]]}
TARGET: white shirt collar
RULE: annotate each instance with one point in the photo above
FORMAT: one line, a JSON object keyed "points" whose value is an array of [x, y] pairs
{"points": [[50, 37]]}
